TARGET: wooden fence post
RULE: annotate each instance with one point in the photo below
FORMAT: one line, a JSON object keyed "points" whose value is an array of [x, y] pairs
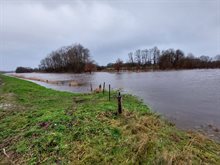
{"points": [[91, 87], [103, 91], [109, 92], [119, 103], [100, 88]]}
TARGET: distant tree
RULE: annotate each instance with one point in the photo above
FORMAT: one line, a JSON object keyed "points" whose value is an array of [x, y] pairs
{"points": [[204, 58], [216, 61], [138, 56], [118, 64], [21, 69], [144, 56], [156, 55], [71, 58], [131, 59], [190, 56], [217, 57], [167, 58], [178, 59], [90, 66], [109, 65], [100, 68]]}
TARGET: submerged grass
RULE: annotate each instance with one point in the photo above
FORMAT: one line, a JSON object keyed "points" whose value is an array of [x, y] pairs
{"points": [[43, 126]]}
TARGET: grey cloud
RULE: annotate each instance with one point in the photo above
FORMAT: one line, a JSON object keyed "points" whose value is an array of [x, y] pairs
{"points": [[29, 30]]}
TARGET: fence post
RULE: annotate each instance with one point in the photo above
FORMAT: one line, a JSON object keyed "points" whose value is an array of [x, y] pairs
{"points": [[119, 103], [91, 87], [103, 88], [100, 88], [109, 92]]}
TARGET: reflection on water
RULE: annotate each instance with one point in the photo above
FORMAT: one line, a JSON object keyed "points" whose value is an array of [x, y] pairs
{"points": [[189, 98]]}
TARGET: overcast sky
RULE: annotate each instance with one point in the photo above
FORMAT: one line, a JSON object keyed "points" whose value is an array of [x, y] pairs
{"points": [[31, 29]]}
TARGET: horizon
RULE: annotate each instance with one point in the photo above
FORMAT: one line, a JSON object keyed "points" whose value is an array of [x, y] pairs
{"points": [[30, 30]]}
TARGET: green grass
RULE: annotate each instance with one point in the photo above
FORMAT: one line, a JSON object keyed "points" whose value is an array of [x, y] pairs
{"points": [[43, 126]]}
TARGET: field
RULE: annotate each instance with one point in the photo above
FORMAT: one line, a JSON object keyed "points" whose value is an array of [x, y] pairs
{"points": [[43, 126]]}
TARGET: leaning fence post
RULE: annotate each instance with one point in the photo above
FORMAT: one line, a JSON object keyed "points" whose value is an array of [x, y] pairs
{"points": [[103, 88], [119, 103], [109, 92]]}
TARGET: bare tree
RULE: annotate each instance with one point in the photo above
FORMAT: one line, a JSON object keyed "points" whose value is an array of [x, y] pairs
{"points": [[217, 57], [118, 64], [156, 55], [90, 66], [138, 56], [204, 58], [130, 56], [66, 59], [144, 54]]}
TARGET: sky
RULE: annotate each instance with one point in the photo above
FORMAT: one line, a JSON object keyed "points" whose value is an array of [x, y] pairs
{"points": [[31, 29]]}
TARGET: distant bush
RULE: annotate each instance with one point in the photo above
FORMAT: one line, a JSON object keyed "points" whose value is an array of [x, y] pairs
{"points": [[24, 70]]}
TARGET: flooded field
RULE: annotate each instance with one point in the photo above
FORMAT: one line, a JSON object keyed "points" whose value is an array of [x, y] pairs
{"points": [[189, 98]]}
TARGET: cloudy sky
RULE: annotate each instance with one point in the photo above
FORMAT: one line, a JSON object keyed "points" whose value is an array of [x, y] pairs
{"points": [[30, 29]]}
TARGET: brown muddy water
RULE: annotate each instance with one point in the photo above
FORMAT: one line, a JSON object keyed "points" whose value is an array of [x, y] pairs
{"points": [[188, 98]]}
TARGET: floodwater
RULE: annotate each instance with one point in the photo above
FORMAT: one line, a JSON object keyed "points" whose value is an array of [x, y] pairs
{"points": [[189, 98]]}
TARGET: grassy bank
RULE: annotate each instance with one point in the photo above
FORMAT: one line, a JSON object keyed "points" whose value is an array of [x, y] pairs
{"points": [[43, 126]]}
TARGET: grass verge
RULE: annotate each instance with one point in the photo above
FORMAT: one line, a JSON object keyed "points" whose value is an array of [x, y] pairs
{"points": [[43, 126]]}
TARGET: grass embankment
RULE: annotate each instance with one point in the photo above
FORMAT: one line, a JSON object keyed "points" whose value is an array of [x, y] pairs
{"points": [[43, 126]]}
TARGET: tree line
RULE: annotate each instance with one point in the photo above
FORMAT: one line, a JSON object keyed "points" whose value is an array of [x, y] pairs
{"points": [[166, 59], [75, 58]]}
